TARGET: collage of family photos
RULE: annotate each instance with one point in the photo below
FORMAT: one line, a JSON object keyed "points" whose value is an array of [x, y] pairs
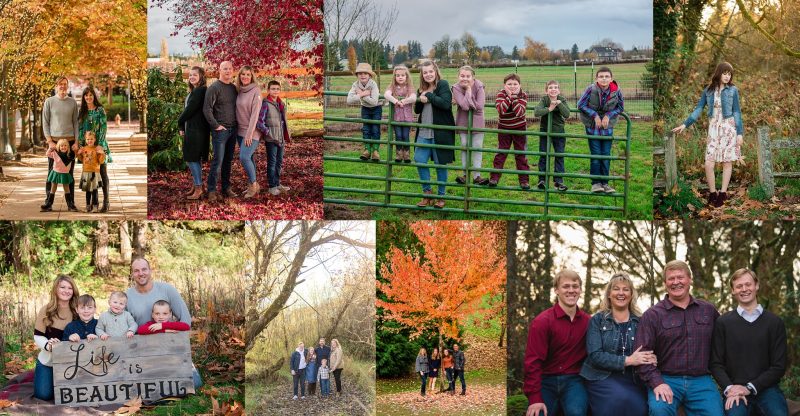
{"points": [[399, 208]]}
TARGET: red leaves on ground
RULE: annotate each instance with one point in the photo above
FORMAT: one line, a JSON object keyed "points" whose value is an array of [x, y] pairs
{"points": [[302, 172]]}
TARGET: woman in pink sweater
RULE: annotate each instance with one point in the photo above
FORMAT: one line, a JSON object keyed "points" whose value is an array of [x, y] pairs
{"points": [[248, 105], [469, 95]]}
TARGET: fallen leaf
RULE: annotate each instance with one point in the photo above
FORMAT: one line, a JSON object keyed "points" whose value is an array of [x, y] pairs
{"points": [[130, 407], [6, 403]]}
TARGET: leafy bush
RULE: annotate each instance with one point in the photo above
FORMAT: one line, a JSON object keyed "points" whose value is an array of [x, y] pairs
{"points": [[517, 404], [395, 353], [684, 203], [757, 192], [165, 104]]}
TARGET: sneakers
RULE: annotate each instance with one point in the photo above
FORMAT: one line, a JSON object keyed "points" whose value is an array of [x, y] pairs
{"points": [[525, 187], [213, 196], [480, 181], [461, 179], [283, 188], [294, 398], [540, 185], [274, 191], [560, 186], [598, 188], [608, 189]]}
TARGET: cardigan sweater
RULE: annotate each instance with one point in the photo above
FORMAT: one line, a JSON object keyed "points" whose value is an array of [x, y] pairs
{"points": [[474, 101], [248, 105], [193, 123], [42, 332], [370, 100], [441, 100], [115, 325], [337, 361]]}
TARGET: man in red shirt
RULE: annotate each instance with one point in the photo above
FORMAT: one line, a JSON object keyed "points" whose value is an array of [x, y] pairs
{"points": [[556, 350]]}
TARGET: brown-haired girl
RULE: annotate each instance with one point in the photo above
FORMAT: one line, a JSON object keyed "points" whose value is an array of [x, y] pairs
{"points": [[195, 130]]}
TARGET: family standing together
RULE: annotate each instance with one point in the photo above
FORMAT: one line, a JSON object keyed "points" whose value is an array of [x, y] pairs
{"points": [[600, 106], [148, 307], [232, 113], [75, 134], [452, 362], [680, 352], [315, 366]]}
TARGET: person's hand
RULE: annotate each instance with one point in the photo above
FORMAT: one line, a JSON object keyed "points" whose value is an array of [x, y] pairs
{"points": [[640, 357], [734, 401], [180, 132], [91, 337], [75, 146], [424, 98], [220, 128], [738, 390], [155, 327], [73, 338], [536, 409], [104, 337], [605, 122], [129, 334], [739, 140], [597, 121], [292, 372], [679, 129], [553, 105], [248, 141], [663, 393], [364, 93], [170, 331], [399, 103]]}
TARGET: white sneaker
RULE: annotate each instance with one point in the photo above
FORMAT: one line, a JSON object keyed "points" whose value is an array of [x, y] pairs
{"points": [[294, 398], [598, 188], [608, 189], [303, 398], [274, 191], [283, 188]]}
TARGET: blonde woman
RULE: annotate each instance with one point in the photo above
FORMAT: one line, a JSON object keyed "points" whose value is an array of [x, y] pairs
{"points": [[611, 382], [248, 107], [421, 367], [48, 329], [337, 363]]}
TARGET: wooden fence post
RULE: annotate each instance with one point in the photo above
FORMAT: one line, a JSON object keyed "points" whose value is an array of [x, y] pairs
{"points": [[765, 172], [670, 165]]}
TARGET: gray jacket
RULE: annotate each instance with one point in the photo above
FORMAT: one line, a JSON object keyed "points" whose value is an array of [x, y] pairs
{"points": [[421, 364]]}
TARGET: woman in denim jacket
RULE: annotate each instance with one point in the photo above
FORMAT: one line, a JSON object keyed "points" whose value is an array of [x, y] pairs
{"points": [[608, 368], [724, 129]]}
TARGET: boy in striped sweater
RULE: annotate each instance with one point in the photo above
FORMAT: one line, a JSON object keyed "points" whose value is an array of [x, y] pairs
{"points": [[511, 102]]}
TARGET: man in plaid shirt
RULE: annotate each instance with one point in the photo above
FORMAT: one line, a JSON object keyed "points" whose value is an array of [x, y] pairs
{"points": [[679, 330]]}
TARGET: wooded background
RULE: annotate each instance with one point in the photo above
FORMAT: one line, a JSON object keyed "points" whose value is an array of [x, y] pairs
{"points": [[598, 249]]}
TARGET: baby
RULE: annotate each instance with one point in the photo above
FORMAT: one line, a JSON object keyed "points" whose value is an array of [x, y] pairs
{"points": [[116, 321]]}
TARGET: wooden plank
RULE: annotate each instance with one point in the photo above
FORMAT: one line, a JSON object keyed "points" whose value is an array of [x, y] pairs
{"points": [[138, 346], [765, 170], [112, 370], [785, 144], [658, 151], [108, 393], [786, 175], [670, 164]]}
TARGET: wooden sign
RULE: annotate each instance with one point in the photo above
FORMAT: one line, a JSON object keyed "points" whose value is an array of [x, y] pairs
{"points": [[120, 369]]}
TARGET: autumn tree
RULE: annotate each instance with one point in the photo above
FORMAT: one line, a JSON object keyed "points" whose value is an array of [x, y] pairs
{"points": [[352, 59], [471, 49], [535, 51]]}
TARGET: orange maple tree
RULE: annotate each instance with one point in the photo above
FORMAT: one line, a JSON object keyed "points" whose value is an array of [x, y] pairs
{"points": [[446, 280]]}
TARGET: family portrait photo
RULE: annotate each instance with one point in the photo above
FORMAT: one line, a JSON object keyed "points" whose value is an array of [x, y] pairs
{"points": [[72, 108], [659, 318], [441, 317], [132, 317], [235, 115]]}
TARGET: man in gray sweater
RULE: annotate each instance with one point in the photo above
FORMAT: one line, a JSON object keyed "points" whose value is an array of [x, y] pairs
{"points": [[219, 110], [59, 121], [145, 292]]}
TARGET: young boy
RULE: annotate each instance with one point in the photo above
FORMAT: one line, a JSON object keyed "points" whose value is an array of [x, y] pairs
{"points": [[272, 124], [510, 103], [600, 106], [162, 313], [84, 326], [324, 378], [116, 321], [365, 92], [552, 106]]}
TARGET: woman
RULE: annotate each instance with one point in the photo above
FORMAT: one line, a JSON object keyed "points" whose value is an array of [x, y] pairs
{"points": [[421, 367], [195, 131], [433, 367], [248, 106], [337, 363], [51, 320], [434, 106], [609, 366], [92, 117], [447, 364]]}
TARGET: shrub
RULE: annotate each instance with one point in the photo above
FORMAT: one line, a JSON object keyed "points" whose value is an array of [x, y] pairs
{"points": [[683, 203], [165, 104]]}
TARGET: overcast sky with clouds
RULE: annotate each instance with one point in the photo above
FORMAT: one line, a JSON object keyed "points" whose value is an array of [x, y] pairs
{"points": [[159, 28], [558, 23]]}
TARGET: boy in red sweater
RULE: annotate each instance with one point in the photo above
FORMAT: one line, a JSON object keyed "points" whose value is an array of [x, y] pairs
{"points": [[162, 313], [511, 103]]}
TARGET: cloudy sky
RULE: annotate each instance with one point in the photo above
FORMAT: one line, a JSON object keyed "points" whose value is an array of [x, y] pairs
{"points": [[558, 23], [158, 28]]}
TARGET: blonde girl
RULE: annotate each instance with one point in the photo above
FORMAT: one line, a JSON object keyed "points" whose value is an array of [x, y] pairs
{"points": [[63, 160], [92, 156], [421, 367], [470, 95], [401, 94]]}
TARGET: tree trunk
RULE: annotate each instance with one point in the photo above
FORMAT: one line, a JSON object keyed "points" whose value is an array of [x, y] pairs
{"points": [[125, 249], [587, 291], [11, 122], [139, 238], [25, 142], [102, 267], [21, 248]]}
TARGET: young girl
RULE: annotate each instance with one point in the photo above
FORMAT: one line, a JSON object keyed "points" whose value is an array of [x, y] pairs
{"points": [[433, 367], [434, 107], [92, 117], [724, 129], [469, 94], [421, 367], [92, 157], [311, 372], [365, 92], [401, 94], [63, 158]]}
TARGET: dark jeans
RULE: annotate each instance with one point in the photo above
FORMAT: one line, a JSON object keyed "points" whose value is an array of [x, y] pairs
{"points": [[424, 378], [630, 399], [768, 402], [565, 392], [299, 378], [451, 381], [402, 134], [91, 198], [558, 147], [223, 143], [105, 184], [504, 141], [312, 389], [371, 131], [337, 376], [274, 163], [600, 166], [43, 381], [459, 374]]}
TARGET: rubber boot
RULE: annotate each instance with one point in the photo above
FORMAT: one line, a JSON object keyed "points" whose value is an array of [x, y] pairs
{"points": [[70, 198], [48, 202]]}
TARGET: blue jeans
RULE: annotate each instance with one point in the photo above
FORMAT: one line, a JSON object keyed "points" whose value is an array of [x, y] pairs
{"points": [[196, 169], [768, 402], [401, 134], [565, 392], [196, 379], [698, 395], [246, 154], [325, 386], [223, 145], [371, 131], [424, 379], [274, 163], [422, 155], [600, 166], [558, 146], [43, 381]]}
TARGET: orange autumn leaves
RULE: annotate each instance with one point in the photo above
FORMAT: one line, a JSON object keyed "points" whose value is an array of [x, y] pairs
{"points": [[458, 265]]}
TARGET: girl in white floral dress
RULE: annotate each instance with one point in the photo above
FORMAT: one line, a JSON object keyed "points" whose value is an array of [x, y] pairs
{"points": [[724, 129]]}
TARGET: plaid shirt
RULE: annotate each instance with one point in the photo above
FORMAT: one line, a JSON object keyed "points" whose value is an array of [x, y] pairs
{"points": [[583, 105], [324, 373], [680, 338]]}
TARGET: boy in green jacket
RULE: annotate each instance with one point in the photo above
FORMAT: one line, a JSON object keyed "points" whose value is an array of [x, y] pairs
{"points": [[552, 106]]}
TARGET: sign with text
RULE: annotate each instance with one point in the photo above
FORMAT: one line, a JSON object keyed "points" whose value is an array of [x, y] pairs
{"points": [[120, 369]]}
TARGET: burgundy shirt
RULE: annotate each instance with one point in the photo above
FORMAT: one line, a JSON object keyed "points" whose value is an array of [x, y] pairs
{"points": [[680, 338], [556, 346]]}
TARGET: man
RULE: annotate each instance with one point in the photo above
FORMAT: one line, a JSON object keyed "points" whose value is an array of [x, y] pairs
{"points": [[322, 351], [59, 121], [458, 369], [219, 110], [145, 292], [678, 330], [298, 367], [748, 354], [555, 353]]}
